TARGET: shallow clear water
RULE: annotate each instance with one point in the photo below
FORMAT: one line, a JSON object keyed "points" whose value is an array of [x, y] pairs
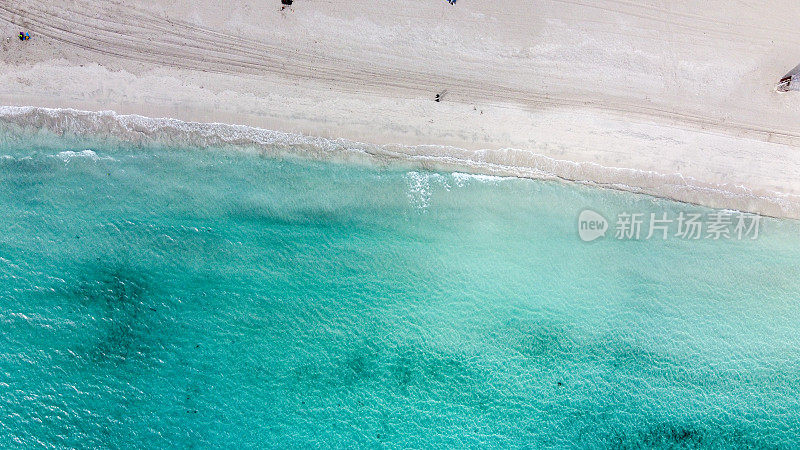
{"points": [[175, 297]]}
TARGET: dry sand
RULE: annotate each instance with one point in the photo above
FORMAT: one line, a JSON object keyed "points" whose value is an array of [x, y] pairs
{"points": [[671, 98]]}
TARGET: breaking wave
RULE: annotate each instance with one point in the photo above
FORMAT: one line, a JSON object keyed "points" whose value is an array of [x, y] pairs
{"points": [[69, 155], [500, 162]]}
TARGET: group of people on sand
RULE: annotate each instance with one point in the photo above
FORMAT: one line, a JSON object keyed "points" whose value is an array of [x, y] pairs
{"points": [[24, 36]]}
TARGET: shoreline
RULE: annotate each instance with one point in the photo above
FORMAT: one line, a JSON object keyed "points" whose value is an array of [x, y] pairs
{"points": [[141, 130], [677, 101]]}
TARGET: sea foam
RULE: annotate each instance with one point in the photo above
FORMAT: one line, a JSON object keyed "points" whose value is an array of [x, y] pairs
{"points": [[492, 162]]}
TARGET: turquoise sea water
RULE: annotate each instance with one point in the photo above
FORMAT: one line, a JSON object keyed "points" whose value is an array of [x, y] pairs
{"points": [[166, 297]]}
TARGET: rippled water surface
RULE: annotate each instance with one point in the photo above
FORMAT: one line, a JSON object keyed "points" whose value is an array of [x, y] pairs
{"points": [[174, 297]]}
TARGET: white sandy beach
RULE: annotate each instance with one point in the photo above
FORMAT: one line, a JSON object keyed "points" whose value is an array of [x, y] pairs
{"points": [[670, 98]]}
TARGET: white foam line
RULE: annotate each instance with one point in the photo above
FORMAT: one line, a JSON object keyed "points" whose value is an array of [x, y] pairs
{"points": [[170, 131]]}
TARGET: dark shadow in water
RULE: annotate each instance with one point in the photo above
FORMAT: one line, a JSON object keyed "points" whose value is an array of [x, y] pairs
{"points": [[542, 339], [402, 371], [687, 436], [117, 298]]}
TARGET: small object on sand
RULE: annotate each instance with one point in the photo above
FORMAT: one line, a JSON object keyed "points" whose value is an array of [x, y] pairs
{"points": [[790, 81], [439, 96], [285, 4]]}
